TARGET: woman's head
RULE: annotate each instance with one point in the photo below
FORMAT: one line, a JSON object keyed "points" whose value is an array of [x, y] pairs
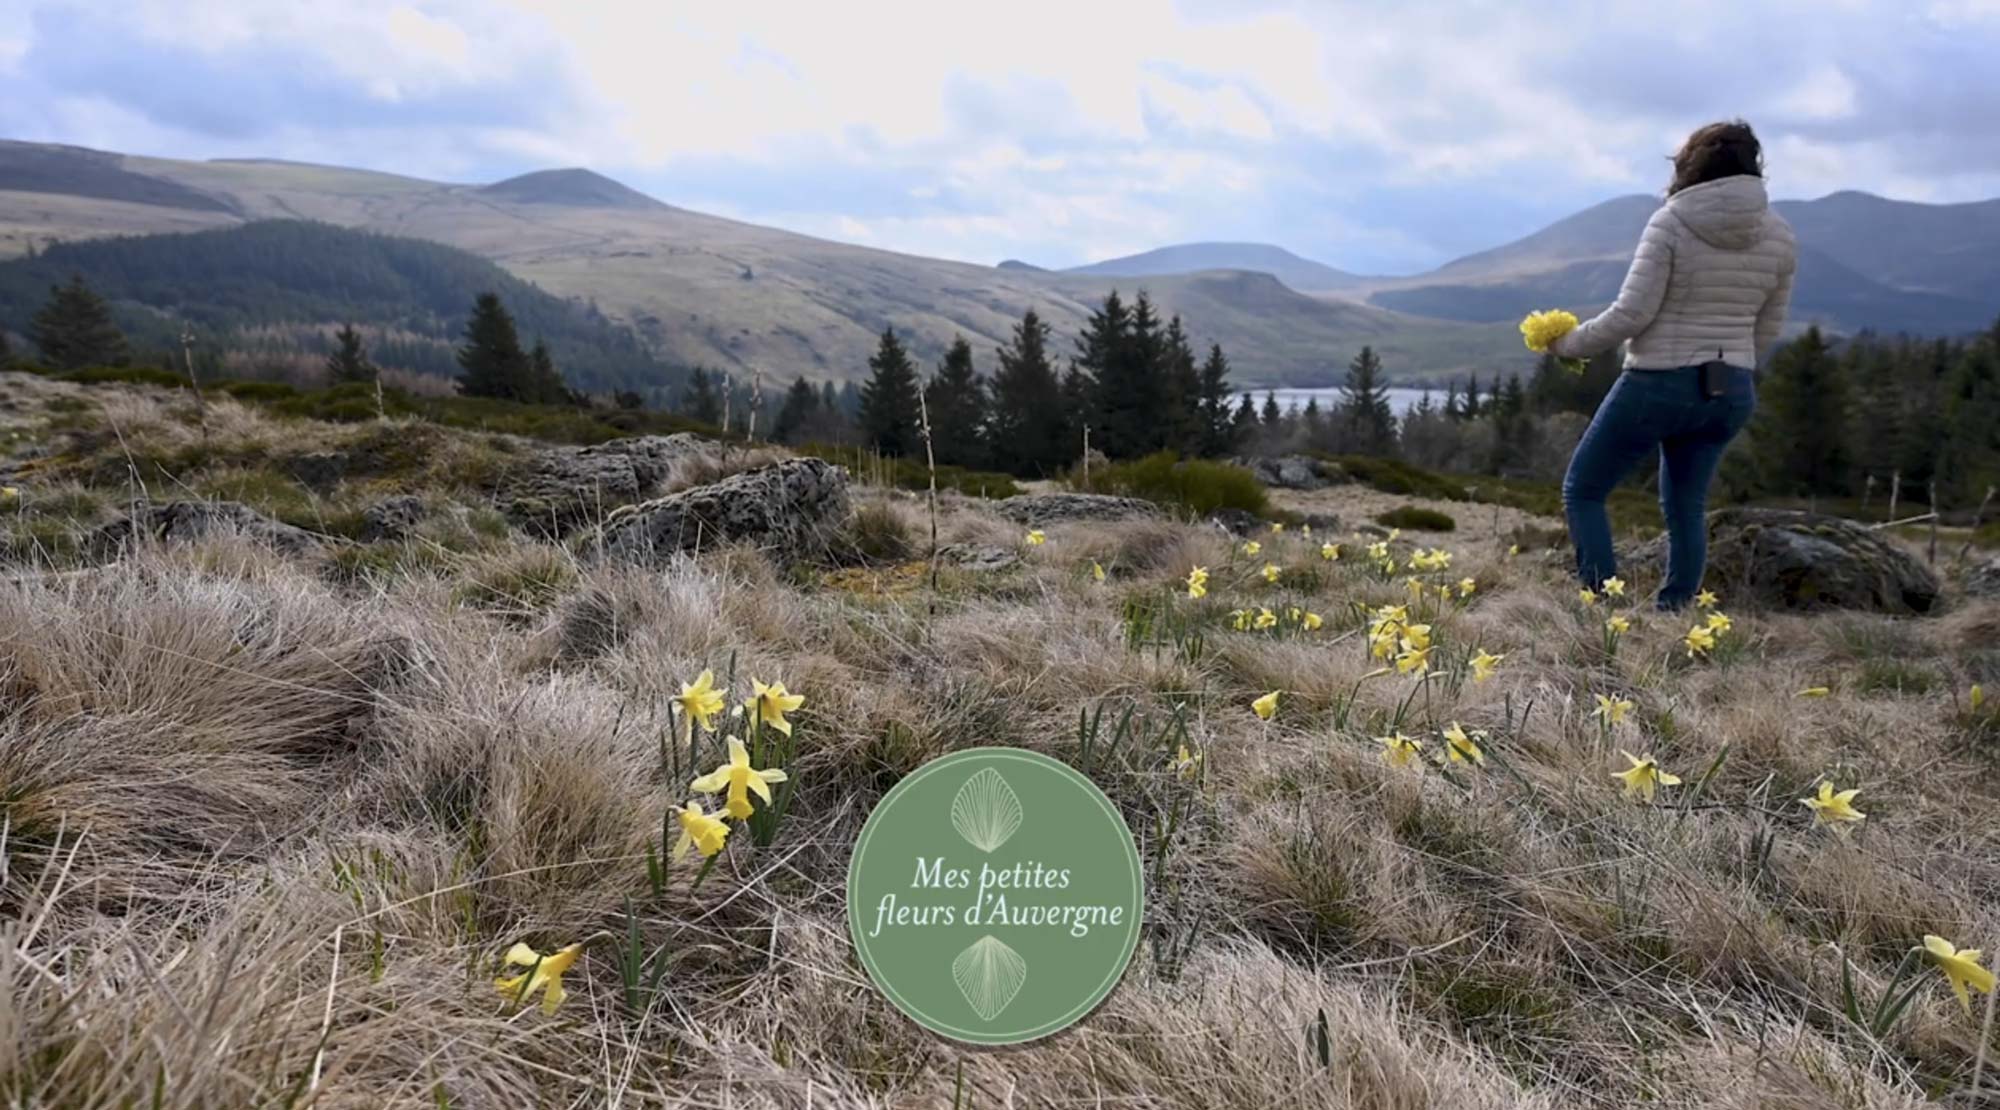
{"points": [[1718, 150]]}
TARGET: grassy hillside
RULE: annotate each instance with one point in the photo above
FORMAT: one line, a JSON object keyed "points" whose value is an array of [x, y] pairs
{"points": [[289, 282], [272, 822]]}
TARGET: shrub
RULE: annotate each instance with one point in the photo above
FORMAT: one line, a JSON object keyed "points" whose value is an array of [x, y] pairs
{"points": [[878, 533], [132, 375], [1195, 486], [1397, 476], [1417, 519], [911, 473]]}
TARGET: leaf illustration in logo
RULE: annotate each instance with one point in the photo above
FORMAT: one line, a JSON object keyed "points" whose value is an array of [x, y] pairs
{"points": [[989, 974], [986, 811]]}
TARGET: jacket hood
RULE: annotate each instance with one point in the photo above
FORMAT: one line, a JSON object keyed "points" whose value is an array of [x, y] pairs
{"points": [[1727, 212]]}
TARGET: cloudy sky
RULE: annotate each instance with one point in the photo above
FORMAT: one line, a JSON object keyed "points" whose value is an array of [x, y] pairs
{"points": [[1375, 137]]}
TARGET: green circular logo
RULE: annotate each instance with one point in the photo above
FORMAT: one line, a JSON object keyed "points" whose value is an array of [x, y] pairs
{"points": [[995, 896]]}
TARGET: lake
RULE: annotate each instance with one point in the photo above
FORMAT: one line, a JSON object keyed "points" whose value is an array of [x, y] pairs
{"points": [[1401, 400]]}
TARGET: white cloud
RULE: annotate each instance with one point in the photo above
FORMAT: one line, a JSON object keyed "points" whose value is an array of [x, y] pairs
{"points": [[1826, 93]]}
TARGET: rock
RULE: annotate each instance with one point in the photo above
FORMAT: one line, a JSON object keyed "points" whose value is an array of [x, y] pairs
{"points": [[392, 519], [1036, 510], [1299, 472], [790, 507], [1323, 522], [187, 521], [562, 488], [1794, 560], [1239, 522], [1983, 579], [979, 556]]}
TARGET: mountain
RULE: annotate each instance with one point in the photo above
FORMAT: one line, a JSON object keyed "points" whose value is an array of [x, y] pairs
{"points": [[1864, 262], [1301, 274], [700, 289], [574, 188], [278, 288]]}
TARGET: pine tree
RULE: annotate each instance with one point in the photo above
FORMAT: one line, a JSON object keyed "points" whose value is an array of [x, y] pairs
{"points": [[492, 363], [956, 397], [1471, 408], [1970, 458], [1027, 430], [1218, 431], [74, 329], [1450, 399], [1365, 406], [6, 348], [889, 416], [349, 361], [1272, 414], [1121, 397], [1245, 420], [1802, 412], [700, 403], [1184, 428], [544, 384], [797, 412]]}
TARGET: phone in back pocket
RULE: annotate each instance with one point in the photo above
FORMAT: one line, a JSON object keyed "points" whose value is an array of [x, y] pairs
{"points": [[1714, 378]]}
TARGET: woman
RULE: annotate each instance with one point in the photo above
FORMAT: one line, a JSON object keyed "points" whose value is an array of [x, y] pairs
{"points": [[1711, 281]]}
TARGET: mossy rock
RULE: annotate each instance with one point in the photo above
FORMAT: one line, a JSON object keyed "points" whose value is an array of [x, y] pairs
{"points": [[1784, 559]]}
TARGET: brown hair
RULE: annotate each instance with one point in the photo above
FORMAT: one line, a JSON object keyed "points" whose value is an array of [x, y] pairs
{"points": [[1718, 150]]}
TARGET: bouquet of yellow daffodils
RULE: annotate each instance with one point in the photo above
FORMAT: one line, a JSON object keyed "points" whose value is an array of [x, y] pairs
{"points": [[1539, 330]]}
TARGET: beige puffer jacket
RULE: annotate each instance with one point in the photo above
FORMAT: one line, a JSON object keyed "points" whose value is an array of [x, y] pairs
{"points": [[1713, 273]]}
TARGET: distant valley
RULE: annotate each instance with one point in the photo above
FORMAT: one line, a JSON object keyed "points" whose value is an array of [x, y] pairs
{"points": [[699, 289]]}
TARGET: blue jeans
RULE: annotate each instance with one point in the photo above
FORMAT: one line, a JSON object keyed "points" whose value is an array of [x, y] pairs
{"points": [[1649, 410]]}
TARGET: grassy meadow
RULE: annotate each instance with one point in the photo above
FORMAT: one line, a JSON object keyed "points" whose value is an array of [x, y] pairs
{"points": [[271, 823]]}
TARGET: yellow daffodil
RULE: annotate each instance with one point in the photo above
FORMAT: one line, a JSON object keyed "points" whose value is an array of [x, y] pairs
{"points": [[1378, 551], [769, 704], [1252, 547], [1277, 526], [1266, 619], [1466, 586], [740, 779], [546, 975], [1619, 624], [1312, 622], [1834, 809], [1392, 614], [1413, 660], [1187, 764], [1416, 588], [1700, 640], [1815, 691], [1387, 567], [1719, 622], [1096, 570], [1484, 664], [1394, 534], [1421, 560], [1241, 617], [9, 493], [1399, 749], [1644, 776], [1540, 329], [1294, 613], [1587, 595], [1440, 558], [1611, 711], [1197, 582], [1271, 572], [1960, 967], [1330, 552], [1036, 538], [1513, 549], [1462, 748], [1416, 637], [1306, 530], [1266, 706], [1614, 587], [1706, 599], [1978, 697], [700, 701], [699, 831]]}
